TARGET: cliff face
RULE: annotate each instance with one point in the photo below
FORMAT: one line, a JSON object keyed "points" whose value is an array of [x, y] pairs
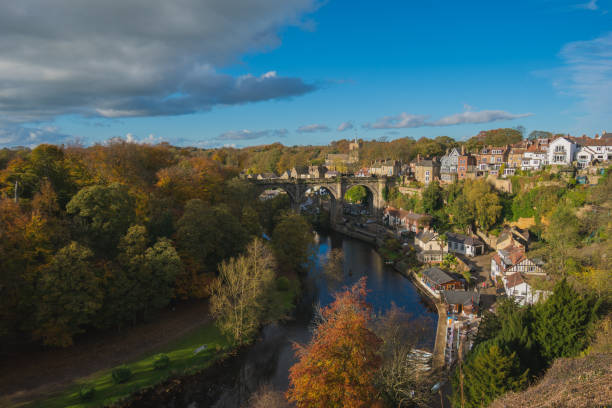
{"points": [[570, 382]]}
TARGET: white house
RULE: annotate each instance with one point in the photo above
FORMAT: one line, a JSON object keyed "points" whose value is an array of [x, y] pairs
{"points": [[534, 160], [464, 244], [518, 288], [561, 151], [585, 156]]}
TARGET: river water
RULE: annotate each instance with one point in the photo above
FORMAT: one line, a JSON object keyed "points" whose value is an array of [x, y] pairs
{"points": [[230, 383]]}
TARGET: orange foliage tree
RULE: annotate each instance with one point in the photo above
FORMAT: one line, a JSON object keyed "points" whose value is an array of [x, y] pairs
{"points": [[338, 367]]}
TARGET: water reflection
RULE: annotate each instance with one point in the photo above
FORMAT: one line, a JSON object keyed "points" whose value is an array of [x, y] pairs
{"points": [[269, 360]]}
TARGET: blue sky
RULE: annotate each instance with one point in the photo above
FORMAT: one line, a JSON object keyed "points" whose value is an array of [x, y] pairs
{"points": [[296, 71]]}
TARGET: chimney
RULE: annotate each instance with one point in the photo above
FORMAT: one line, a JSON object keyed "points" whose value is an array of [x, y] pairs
{"points": [[463, 150], [418, 157]]}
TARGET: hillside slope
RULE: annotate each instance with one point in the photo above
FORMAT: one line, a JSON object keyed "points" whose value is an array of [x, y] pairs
{"points": [[570, 382]]}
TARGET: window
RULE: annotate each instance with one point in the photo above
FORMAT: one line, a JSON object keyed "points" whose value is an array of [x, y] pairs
{"points": [[499, 159], [484, 160], [559, 149], [559, 158]]}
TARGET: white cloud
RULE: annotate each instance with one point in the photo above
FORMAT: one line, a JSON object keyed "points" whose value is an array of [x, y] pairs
{"points": [[587, 75], [403, 120], [315, 127], [15, 135], [485, 116], [246, 134], [591, 5], [345, 126], [123, 58]]}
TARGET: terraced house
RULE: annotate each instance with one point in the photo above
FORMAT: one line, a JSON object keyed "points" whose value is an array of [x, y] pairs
{"points": [[491, 158]]}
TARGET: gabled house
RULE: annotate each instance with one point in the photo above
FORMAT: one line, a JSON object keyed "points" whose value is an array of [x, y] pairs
{"points": [[316, 171], [286, 175], [331, 174], [461, 302], [464, 244], [561, 151], [513, 236], [436, 280], [503, 259], [426, 171], [299, 172], [448, 166], [491, 158], [527, 266], [466, 165], [386, 168], [431, 248], [405, 220], [518, 288]]}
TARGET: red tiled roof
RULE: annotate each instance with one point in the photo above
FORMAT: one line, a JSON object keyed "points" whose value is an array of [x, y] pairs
{"points": [[514, 280]]}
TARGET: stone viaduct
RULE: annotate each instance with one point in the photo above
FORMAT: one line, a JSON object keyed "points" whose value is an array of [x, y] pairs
{"points": [[296, 190]]}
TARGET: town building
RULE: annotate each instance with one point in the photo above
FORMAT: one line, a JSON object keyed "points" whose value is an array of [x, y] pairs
{"points": [[363, 172], [448, 166], [466, 165], [299, 172], [518, 288], [436, 279], [431, 248], [491, 158], [426, 171], [342, 161], [331, 174], [535, 157], [405, 220], [464, 244], [316, 171], [561, 151], [385, 168], [513, 236], [515, 160], [461, 302]]}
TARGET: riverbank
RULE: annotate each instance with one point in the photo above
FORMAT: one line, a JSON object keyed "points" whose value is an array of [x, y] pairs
{"points": [[440, 337]]}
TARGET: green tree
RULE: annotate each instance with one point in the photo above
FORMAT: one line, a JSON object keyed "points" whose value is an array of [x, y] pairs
{"points": [[238, 301], [208, 234], [562, 235], [432, 197], [291, 240], [102, 214], [487, 375], [562, 322], [356, 194], [141, 282], [69, 294]]}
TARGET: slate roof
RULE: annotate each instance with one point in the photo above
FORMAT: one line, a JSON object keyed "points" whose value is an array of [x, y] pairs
{"points": [[464, 239], [460, 297], [426, 236], [437, 275]]}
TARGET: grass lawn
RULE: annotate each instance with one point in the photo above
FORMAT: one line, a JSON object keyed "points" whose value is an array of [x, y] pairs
{"points": [[182, 360]]}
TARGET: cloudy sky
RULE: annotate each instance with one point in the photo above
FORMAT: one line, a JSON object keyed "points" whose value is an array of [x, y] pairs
{"points": [[216, 72]]}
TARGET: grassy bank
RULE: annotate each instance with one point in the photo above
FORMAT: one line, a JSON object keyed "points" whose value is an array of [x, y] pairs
{"points": [[183, 359], [182, 355]]}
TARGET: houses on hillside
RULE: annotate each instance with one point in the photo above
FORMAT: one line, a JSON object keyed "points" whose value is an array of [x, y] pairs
{"points": [[465, 244], [405, 220]]}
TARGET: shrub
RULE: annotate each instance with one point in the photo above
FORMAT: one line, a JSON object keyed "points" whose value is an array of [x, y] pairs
{"points": [[121, 374], [161, 361], [86, 393], [282, 283]]}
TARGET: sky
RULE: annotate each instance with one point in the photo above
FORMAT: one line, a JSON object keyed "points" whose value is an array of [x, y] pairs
{"points": [[211, 73]]}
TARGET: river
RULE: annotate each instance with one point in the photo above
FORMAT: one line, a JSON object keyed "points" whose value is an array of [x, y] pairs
{"points": [[230, 383]]}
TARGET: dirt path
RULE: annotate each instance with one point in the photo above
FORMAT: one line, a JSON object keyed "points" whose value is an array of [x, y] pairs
{"points": [[32, 373]]}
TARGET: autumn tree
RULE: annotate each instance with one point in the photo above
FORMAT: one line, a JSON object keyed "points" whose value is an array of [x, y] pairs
{"points": [[339, 365], [69, 293], [239, 294]]}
